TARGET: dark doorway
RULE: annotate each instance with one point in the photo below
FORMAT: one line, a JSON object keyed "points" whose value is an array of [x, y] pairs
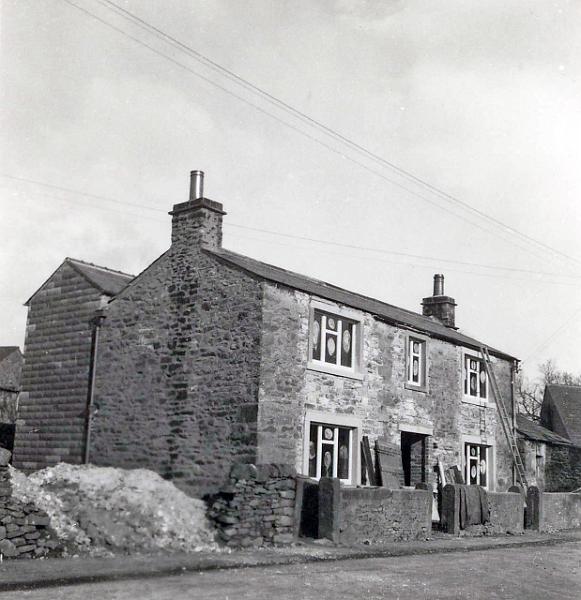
{"points": [[413, 457], [7, 431]]}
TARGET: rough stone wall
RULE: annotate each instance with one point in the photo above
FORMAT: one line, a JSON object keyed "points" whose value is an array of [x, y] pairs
{"points": [[57, 352], [257, 506], [177, 370], [380, 399], [562, 468], [11, 371], [377, 515], [23, 528], [8, 403]]}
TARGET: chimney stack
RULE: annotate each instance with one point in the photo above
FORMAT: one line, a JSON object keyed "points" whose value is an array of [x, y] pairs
{"points": [[197, 222], [440, 306]]}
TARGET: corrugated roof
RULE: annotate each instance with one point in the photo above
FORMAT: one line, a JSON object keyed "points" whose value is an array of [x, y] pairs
{"points": [[534, 431], [6, 351], [392, 314], [567, 401], [107, 280]]}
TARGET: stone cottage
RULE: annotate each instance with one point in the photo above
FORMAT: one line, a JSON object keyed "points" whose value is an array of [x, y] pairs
{"points": [[209, 357]]}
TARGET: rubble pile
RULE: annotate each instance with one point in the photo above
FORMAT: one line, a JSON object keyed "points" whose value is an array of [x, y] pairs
{"points": [[104, 510], [24, 529], [257, 506]]}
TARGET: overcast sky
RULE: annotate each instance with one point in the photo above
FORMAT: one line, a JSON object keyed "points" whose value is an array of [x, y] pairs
{"points": [[479, 99]]}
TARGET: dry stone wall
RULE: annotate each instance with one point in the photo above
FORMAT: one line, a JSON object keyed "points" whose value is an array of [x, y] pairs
{"points": [[257, 506], [23, 528]]}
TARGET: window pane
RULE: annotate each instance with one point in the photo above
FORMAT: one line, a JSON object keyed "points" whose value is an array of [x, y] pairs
{"points": [[332, 323], [316, 336], [473, 384], [344, 451], [347, 345], [483, 467], [482, 381], [331, 347], [327, 460], [416, 370], [313, 451]]}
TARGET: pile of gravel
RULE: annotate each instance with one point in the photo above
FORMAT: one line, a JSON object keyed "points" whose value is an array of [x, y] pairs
{"points": [[103, 510]]}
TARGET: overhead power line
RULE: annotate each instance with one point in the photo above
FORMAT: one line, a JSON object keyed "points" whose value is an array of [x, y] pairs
{"points": [[135, 19], [433, 259]]}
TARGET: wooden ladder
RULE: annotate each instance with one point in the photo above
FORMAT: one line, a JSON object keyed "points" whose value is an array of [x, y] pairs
{"points": [[505, 419]]}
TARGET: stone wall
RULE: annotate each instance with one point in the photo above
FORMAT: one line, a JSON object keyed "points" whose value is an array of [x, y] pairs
{"points": [[256, 507], [357, 515], [552, 511], [11, 370], [23, 528], [53, 399], [379, 399], [562, 468], [506, 513], [177, 372]]}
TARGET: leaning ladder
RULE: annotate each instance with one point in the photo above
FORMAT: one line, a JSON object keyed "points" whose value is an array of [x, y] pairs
{"points": [[504, 419]]}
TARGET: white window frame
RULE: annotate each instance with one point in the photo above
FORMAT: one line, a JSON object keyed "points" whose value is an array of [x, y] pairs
{"points": [[473, 440], [468, 355], [355, 371], [325, 419], [422, 385]]}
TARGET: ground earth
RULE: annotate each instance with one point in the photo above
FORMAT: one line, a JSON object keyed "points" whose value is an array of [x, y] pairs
{"points": [[531, 572]]}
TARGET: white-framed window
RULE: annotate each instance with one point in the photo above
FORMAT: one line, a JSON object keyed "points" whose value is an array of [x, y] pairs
{"points": [[330, 451], [477, 461], [416, 362], [475, 378], [334, 340], [331, 446]]}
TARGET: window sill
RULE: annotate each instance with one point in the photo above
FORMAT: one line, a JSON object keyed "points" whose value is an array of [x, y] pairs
{"points": [[331, 370], [416, 388], [482, 402]]}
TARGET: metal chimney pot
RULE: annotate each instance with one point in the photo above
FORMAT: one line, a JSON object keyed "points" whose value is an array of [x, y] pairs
{"points": [[438, 285], [196, 185]]}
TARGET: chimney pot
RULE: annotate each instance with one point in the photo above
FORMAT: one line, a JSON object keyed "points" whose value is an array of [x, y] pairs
{"points": [[196, 185], [438, 285]]}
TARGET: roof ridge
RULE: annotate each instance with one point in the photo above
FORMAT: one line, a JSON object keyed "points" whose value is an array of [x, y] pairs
{"points": [[331, 285], [90, 264]]}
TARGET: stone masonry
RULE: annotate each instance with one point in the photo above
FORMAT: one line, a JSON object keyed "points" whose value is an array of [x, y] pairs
{"points": [[23, 528], [256, 507], [178, 363]]}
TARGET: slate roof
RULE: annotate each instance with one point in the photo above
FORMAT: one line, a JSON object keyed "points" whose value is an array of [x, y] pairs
{"points": [[388, 312], [566, 400], [106, 280], [534, 431], [6, 351]]}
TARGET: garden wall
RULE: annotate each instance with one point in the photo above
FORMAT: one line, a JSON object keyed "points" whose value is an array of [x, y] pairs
{"points": [[355, 515], [256, 507], [548, 511], [23, 528]]}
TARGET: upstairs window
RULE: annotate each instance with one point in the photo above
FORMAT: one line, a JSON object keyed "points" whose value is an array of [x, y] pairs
{"points": [[416, 377], [475, 378], [333, 342]]}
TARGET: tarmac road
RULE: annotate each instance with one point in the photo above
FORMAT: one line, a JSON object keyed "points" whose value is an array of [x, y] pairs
{"points": [[530, 572]]}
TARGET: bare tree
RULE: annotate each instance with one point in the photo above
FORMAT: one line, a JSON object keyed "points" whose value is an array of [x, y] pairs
{"points": [[530, 393]]}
